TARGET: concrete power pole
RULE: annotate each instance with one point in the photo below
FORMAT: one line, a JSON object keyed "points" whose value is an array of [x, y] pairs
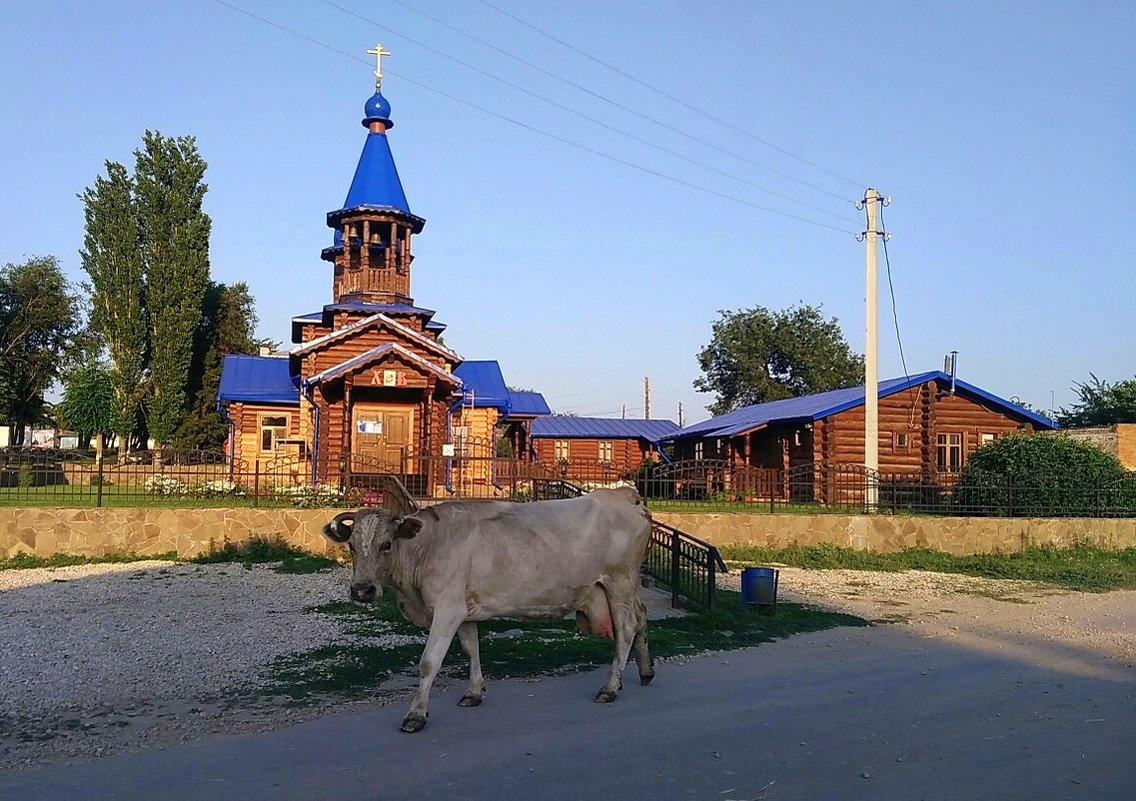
{"points": [[680, 413], [646, 398], [871, 347]]}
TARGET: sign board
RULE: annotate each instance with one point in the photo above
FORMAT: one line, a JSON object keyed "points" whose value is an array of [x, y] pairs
{"points": [[448, 449], [369, 426]]}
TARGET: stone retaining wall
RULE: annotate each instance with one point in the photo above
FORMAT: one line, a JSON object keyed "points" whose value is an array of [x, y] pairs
{"points": [[97, 532], [887, 533]]}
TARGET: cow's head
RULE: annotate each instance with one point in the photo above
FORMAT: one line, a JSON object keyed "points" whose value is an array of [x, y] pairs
{"points": [[372, 535]]}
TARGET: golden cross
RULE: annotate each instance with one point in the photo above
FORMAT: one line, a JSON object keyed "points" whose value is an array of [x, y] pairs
{"points": [[378, 52]]}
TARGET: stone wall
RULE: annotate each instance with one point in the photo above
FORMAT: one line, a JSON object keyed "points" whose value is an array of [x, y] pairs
{"points": [[97, 532], [886, 533]]}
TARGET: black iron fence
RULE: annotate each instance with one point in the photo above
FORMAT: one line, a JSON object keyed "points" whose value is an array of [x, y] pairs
{"points": [[686, 565], [40, 477]]}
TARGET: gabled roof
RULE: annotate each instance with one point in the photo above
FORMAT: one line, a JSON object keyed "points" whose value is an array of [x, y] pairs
{"points": [[823, 404], [602, 428], [527, 404], [374, 354], [257, 379], [390, 309], [367, 322], [483, 383]]}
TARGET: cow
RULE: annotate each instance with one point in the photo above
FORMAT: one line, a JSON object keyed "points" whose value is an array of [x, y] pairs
{"points": [[456, 563]]}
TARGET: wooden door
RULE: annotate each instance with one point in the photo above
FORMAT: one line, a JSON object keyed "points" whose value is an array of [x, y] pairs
{"points": [[380, 438]]}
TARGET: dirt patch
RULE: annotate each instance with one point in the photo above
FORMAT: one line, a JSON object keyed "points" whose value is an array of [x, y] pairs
{"points": [[1037, 622]]}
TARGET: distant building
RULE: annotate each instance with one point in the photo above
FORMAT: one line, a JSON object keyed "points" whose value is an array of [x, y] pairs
{"points": [[1119, 439], [598, 448]]}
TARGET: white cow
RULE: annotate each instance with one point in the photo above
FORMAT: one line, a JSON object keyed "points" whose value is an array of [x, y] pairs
{"points": [[453, 564]]}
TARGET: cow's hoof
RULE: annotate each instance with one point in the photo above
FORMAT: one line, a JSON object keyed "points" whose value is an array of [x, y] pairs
{"points": [[470, 700], [645, 680], [605, 697], [413, 723]]}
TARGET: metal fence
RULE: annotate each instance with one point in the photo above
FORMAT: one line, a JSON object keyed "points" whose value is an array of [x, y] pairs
{"points": [[34, 476], [686, 565]]}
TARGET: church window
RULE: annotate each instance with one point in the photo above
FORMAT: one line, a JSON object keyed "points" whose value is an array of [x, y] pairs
{"points": [[607, 451], [561, 447]]}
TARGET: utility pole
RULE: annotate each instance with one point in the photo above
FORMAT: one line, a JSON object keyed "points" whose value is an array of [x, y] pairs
{"points": [[871, 346], [623, 414], [680, 414], [646, 398]]}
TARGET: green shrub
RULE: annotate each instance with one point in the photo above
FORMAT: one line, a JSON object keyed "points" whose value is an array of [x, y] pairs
{"points": [[1043, 475]]}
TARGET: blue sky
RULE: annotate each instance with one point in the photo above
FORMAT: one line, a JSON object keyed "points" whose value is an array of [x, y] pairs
{"points": [[1002, 131]]}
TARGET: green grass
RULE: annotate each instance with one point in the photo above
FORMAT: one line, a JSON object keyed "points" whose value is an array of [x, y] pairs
{"points": [[23, 561], [261, 551], [1080, 567], [360, 668]]}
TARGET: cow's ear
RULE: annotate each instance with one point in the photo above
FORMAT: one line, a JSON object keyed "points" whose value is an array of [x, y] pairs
{"points": [[407, 528], [341, 526]]}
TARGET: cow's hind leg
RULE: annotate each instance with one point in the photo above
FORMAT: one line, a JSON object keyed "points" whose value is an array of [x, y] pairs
{"points": [[623, 621], [442, 630], [643, 659], [467, 633]]}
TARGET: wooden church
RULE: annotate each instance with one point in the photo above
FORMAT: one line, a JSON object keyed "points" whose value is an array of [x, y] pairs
{"points": [[367, 387]]}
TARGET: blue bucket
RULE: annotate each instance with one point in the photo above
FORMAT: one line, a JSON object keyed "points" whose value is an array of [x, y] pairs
{"points": [[759, 586]]}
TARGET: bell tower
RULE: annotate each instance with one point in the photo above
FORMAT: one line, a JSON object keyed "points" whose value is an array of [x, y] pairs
{"points": [[371, 245]]}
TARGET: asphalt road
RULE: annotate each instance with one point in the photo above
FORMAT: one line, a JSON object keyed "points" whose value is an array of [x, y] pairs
{"points": [[878, 713]]}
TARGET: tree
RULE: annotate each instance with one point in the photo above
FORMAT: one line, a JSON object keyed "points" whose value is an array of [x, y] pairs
{"points": [[1100, 404], [112, 258], [90, 404], [173, 227], [39, 319], [228, 325], [757, 355]]}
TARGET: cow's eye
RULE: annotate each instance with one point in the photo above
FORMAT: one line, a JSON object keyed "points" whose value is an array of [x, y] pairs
{"points": [[386, 546]]}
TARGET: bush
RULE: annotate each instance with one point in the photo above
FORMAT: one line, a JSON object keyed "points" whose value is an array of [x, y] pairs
{"points": [[1025, 475], [219, 488], [166, 486], [311, 497]]}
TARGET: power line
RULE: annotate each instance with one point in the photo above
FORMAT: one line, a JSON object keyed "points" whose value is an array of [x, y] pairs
{"points": [[667, 95], [536, 130], [615, 103], [593, 120]]}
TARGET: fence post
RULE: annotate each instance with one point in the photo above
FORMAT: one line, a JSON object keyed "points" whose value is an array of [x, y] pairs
{"points": [[711, 577], [99, 489], [255, 483], [674, 569]]}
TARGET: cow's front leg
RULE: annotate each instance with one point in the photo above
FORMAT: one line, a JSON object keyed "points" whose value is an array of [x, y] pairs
{"points": [[442, 630], [467, 633]]}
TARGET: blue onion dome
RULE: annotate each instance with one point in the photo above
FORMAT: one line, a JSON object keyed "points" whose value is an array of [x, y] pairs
{"points": [[378, 109]]}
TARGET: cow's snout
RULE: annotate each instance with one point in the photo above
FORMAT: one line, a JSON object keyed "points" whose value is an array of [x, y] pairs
{"points": [[363, 593]]}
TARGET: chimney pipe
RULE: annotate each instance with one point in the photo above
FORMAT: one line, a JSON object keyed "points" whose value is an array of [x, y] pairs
{"points": [[954, 369]]}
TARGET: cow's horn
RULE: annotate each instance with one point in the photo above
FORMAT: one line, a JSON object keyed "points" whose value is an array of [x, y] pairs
{"points": [[339, 529]]}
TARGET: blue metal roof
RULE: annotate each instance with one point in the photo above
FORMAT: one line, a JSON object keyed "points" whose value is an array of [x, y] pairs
{"points": [[390, 309], [484, 380], [603, 428], [376, 183], [824, 404], [527, 404], [257, 379]]}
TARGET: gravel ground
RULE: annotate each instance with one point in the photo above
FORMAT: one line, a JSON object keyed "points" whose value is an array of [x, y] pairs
{"points": [[105, 658]]}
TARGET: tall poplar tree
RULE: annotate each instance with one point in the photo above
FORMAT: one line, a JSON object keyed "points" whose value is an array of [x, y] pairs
{"points": [[112, 258], [174, 230]]}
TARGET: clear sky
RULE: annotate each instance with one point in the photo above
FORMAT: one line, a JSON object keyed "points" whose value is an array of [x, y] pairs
{"points": [[1003, 132]]}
